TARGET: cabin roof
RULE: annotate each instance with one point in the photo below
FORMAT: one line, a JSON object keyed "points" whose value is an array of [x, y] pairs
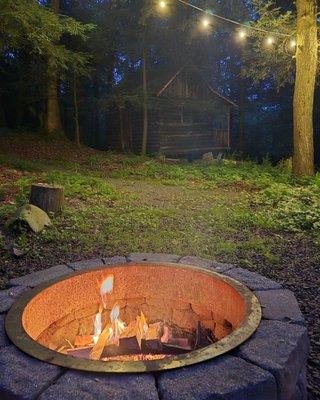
{"points": [[175, 76]]}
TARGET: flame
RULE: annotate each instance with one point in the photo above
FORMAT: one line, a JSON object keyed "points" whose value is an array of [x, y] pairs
{"points": [[106, 288], [115, 312], [97, 327]]}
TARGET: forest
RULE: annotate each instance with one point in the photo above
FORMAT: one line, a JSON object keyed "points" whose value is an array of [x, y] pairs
{"points": [[180, 134]]}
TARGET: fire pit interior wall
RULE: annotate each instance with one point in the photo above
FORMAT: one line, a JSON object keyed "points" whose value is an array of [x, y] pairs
{"points": [[181, 296]]}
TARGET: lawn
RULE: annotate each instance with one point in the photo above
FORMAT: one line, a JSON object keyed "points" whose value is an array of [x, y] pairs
{"points": [[255, 216]]}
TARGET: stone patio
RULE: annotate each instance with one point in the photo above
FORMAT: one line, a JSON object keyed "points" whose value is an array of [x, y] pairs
{"points": [[271, 365]]}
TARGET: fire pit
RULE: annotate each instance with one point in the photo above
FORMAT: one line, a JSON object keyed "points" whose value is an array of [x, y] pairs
{"points": [[134, 317]]}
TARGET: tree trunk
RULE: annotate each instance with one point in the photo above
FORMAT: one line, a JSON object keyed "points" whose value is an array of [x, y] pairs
{"points": [[53, 118], [145, 100], [76, 111], [241, 134], [48, 198], [306, 66]]}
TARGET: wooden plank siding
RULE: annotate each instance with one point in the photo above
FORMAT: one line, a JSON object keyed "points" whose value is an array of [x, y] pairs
{"points": [[186, 117]]}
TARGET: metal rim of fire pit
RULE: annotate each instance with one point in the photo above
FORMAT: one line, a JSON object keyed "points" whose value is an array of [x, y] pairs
{"points": [[24, 342]]}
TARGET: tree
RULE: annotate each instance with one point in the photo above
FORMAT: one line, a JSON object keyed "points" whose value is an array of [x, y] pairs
{"points": [[30, 35], [291, 59], [303, 102], [52, 116]]}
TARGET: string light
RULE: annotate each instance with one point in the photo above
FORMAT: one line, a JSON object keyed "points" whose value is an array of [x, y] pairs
{"points": [[205, 22], [293, 43], [242, 34], [270, 41]]}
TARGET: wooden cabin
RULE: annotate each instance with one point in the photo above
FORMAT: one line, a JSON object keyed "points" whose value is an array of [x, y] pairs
{"points": [[185, 117]]}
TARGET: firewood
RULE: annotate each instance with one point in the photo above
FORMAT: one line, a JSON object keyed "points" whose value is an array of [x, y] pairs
{"points": [[80, 352], [99, 346]]}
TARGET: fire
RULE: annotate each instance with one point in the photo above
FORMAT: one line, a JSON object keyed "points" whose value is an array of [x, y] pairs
{"points": [[137, 341], [106, 288], [112, 332]]}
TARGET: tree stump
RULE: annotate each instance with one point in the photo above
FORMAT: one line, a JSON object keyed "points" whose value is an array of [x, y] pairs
{"points": [[49, 198]]}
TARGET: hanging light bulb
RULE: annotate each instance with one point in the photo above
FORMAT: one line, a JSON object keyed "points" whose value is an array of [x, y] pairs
{"points": [[205, 22], [293, 43], [242, 34], [270, 40]]}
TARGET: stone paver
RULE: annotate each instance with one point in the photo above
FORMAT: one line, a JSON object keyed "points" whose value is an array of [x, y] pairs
{"points": [[36, 278], [153, 257], [196, 261], [9, 296], [75, 385], [114, 260], [280, 348], [253, 280], [204, 263], [4, 341], [86, 264], [280, 305], [225, 378], [24, 377]]}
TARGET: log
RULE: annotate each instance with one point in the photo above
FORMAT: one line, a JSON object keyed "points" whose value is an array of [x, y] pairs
{"points": [[49, 198]]}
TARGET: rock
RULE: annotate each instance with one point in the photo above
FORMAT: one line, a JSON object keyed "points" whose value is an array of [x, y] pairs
{"points": [[280, 348], [253, 280], [38, 277], [153, 257], [80, 385], [225, 378], [208, 158], [280, 305], [24, 377], [4, 341], [86, 264], [9, 296], [32, 216]]}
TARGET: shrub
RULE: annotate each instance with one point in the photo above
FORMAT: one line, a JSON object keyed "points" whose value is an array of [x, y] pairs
{"points": [[292, 208]]}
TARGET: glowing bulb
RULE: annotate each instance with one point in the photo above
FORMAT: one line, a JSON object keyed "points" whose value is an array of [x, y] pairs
{"points": [[162, 4], [293, 43], [242, 34], [205, 22], [270, 40]]}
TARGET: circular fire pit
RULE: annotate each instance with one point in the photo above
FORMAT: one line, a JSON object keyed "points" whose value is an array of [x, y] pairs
{"points": [[152, 316], [269, 365]]}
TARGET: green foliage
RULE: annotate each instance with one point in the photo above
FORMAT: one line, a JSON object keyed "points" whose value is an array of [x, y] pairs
{"points": [[290, 208], [275, 60], [81, 186], [26, 24]]}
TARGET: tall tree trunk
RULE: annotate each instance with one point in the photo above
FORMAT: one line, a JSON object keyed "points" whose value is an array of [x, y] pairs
{"points": [[76, 111], [306, 66], [145, 99], [53, 117], [242, 100]]}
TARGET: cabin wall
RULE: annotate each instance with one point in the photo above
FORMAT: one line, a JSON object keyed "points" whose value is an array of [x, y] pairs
{"points": [[183, 131], [137, 130]]}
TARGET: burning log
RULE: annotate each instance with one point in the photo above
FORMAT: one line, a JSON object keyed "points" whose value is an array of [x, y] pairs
{"points": [[97, 349]]}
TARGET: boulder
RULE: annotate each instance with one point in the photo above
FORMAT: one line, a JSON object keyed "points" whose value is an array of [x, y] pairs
{"points": [[32, 217]]}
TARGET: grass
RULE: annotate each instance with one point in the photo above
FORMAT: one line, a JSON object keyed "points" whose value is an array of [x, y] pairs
{"points": [[236, 211]]}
